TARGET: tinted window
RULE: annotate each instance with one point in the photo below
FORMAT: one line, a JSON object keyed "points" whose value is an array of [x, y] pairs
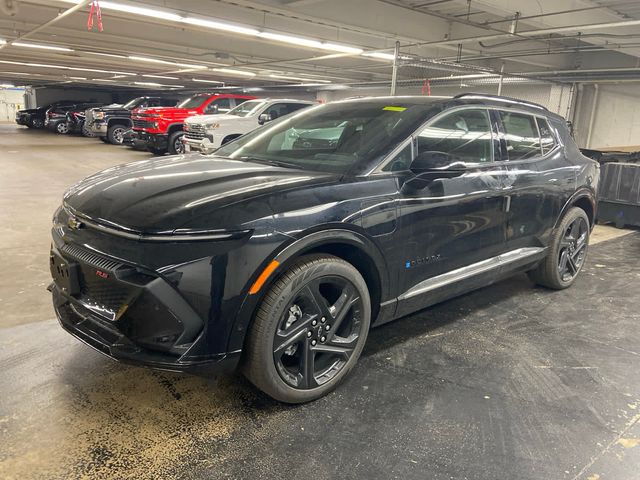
{"points": [[521, 135], [547, 139], [193, 102], [464, 134], [219, 105], [331, 137], [401, 161], [278, 110]]}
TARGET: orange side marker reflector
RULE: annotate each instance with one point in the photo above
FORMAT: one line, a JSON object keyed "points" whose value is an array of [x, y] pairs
{"points": [[257, 285]]}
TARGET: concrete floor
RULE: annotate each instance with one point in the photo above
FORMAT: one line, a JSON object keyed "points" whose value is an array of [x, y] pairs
{"points": [[509, 382]]}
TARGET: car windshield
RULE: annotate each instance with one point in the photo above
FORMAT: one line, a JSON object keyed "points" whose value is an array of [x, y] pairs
{"points": [[131, 104], [247, 108], [332, 137], [193, 102]]}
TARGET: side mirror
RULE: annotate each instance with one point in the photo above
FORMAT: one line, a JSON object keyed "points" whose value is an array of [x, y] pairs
{"points": [[264, 118]]}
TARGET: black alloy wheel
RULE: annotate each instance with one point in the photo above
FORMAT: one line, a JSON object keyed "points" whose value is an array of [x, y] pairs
{"points": [[318, 332], [573, 249], [176, 146], [567, 251], [115, 134], [309, 329]]}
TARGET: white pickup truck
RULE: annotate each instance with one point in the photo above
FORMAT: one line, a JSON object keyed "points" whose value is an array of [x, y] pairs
{"points": [[206, 133]]}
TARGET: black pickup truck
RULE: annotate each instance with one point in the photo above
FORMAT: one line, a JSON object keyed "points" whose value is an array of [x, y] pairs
{"points": [[34, 117], [109, 123]]}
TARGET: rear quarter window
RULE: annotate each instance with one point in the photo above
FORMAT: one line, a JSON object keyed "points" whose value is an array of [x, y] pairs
{"points": [[521, 135]]}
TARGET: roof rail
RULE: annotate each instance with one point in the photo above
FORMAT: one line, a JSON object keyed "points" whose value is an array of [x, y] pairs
{"points": [[502, 99]]}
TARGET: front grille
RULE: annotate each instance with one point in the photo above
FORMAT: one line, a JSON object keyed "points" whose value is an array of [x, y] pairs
{"points": [[142, 124], [195, 135], [105, 296], [86, 256]]}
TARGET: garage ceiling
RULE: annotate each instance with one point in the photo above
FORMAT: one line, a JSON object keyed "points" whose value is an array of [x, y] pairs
{"points": [[312, 44]]}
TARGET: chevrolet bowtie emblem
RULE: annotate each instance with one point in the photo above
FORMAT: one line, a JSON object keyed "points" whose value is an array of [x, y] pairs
{"points": [[74, 224]]}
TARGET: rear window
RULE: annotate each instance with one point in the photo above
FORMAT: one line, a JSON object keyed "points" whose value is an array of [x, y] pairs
{"points": [[547, 138], [193, 102], [521, 135]]}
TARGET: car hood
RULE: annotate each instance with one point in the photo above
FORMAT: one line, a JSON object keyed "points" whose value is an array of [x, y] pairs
{"points": [[29, 110], [220, 117], [188, 191], [169, 111]]}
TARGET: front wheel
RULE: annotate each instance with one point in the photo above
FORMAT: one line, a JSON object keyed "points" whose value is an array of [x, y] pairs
{"points": [[309, 330], [115, 134], [176, 146], [567, 252], [62, 128]]}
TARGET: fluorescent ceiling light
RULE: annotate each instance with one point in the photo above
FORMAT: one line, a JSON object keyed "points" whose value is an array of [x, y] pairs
{"points": [[164, 62], [44, 47], [2, 41], [201, 22], [105, 54], [383, 56], [153, 84], [16, 73], [227, 27], [287, 77], [64, 67], [101, 80], [167, 77], [78, 78], [7, 85], [202, 80], [232, 71]]}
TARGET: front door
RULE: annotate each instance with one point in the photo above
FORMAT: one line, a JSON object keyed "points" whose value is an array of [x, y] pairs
{"points": [[456, 220]]}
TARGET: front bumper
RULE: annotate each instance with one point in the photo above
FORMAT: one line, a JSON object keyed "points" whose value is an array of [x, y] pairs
{"points": [[204, 145], [22, 119], [128, 315], [98, 128], [154, 140]]}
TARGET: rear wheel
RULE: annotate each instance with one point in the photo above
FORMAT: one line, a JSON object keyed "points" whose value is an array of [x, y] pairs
{"points": [[62, 127], [115, 134], [309, 330], [568, 252], [175, 143], [36, 123]]}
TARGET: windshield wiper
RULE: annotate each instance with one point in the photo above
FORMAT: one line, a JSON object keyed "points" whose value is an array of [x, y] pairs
{"points": [[268, 161]]}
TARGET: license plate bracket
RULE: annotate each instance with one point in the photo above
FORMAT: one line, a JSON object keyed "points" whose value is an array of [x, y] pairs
{"points": [[65, 274]]}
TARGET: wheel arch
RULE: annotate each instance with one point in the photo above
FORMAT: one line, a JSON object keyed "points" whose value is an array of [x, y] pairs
{"points": [[584, 198], [175, 127], [125, 122], [348, 245]]}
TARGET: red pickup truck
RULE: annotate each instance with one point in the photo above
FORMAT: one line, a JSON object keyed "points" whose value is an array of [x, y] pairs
{"points": [[161, 127]]}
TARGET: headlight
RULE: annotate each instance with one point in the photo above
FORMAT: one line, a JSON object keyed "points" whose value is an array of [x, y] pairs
{"points": [[98, 115], [211, 126]]}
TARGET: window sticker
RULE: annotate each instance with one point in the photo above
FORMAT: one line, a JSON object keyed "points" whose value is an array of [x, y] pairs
{"points": [[395, 109]]}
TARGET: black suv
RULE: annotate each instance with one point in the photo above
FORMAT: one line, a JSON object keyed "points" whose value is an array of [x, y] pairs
{"points": [[34, 117], [110, 123], [279, 251]]}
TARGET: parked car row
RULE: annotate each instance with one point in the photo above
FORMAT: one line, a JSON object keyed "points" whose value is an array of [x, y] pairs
{"points": [[202, 122]]}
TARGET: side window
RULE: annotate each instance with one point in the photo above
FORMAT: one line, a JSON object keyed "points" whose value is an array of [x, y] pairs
{"points": [[401, 161], [278, 110], [521, 135], [547, 139], [219, 105], [465, 135]]}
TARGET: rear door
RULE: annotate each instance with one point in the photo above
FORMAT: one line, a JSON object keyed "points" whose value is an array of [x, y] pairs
{"points": [[537, 175], [456, 221]]}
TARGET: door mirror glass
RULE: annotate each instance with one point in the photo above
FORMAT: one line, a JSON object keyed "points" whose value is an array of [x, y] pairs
{"points": [[264, 118]]}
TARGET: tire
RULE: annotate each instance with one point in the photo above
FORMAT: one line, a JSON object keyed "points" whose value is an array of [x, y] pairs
{"points": [[156, 151], [104, 139], [176, 147], [35, 123], [299, 303], [62, 128], [114, 134], [567, 252]]}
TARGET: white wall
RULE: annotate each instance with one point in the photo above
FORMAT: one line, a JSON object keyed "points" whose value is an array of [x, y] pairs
{"points": [[11, 100], [616, 122]]}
